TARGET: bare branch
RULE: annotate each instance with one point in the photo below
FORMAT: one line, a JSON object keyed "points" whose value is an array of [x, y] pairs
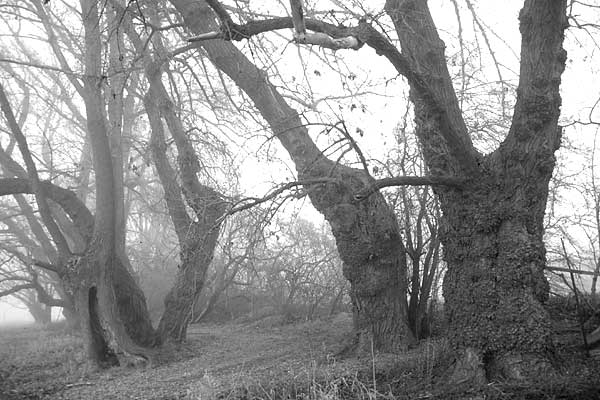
{"points": [[47, 266], [75, 208], [16, 289], [324, 34], [410, 181], [41, 66], [250, 202], [571, 270], [354, 145], [40, 195], [220, 11]]}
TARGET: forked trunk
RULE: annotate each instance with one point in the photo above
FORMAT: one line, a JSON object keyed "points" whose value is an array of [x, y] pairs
{"points": [[100, 281], [492, 228]]}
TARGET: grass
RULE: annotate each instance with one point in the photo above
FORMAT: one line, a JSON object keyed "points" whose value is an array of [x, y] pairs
{"points": [[264, 360], [37, 360]]}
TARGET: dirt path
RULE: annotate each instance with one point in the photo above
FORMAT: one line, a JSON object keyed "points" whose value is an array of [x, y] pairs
{"points": [[215, 358]]}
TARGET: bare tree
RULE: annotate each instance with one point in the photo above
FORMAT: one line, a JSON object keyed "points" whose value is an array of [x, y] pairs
{"points": [[492, 226], [366, 232]]}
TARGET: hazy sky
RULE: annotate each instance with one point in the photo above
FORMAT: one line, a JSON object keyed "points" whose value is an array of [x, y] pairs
{"points": [[10, 314]]}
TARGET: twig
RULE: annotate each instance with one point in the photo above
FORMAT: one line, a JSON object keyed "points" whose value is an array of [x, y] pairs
{"points": [[354, 145], [250, 202], [572, 271]]}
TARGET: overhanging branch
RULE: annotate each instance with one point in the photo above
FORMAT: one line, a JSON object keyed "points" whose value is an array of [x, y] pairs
{"points": [[323, 34], [410, 181], [67, 199]]}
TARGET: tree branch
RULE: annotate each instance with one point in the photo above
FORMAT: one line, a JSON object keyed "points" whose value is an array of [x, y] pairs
{"points": [[77, 211], [250, 202], [537, 109], [423, 63], [326, 35], [40, 196], [298, 20], [410, 181], [16, 289], [43, 296], [47, 266]]}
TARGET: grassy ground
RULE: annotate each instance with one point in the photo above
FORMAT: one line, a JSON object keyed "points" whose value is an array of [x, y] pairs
{"points": [[264, 360]]}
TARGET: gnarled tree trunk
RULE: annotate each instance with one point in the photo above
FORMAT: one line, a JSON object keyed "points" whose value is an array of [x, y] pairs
{"points": [[491, 227], [495, 284], [366, 233], [368, 242]]}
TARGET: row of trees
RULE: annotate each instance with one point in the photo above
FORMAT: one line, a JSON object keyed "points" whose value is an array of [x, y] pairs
{"points": [[128, 73]]}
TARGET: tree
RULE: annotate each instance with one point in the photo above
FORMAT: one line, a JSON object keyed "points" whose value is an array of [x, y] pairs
{"points": [[99, 279], [492, 224], [366, 232], [98, 282]]}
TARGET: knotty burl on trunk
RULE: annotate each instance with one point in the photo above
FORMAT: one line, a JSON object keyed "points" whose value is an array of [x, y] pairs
{"points": [[491, 227], [367, 237], [494, 286]]}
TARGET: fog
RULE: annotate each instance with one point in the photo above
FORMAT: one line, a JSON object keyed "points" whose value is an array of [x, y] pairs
{"points": [[10, 315]]}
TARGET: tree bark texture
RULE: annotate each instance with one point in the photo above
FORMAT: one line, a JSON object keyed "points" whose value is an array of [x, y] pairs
{"points": [[492, 227], [366, 233]]}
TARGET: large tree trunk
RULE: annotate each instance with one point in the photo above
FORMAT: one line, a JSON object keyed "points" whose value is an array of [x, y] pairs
{"points": [[368, 242], [495, 284], [197, 237], [492, 228], [366, 232], [106, 293], [110, 306]]}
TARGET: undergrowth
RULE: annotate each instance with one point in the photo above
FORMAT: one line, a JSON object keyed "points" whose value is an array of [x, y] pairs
{"points": [[270, 362]]}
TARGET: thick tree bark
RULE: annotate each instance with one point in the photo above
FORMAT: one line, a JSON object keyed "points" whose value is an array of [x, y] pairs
{"points": [[367, 238], [494, 284], [492, 228], [366, 233]]}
